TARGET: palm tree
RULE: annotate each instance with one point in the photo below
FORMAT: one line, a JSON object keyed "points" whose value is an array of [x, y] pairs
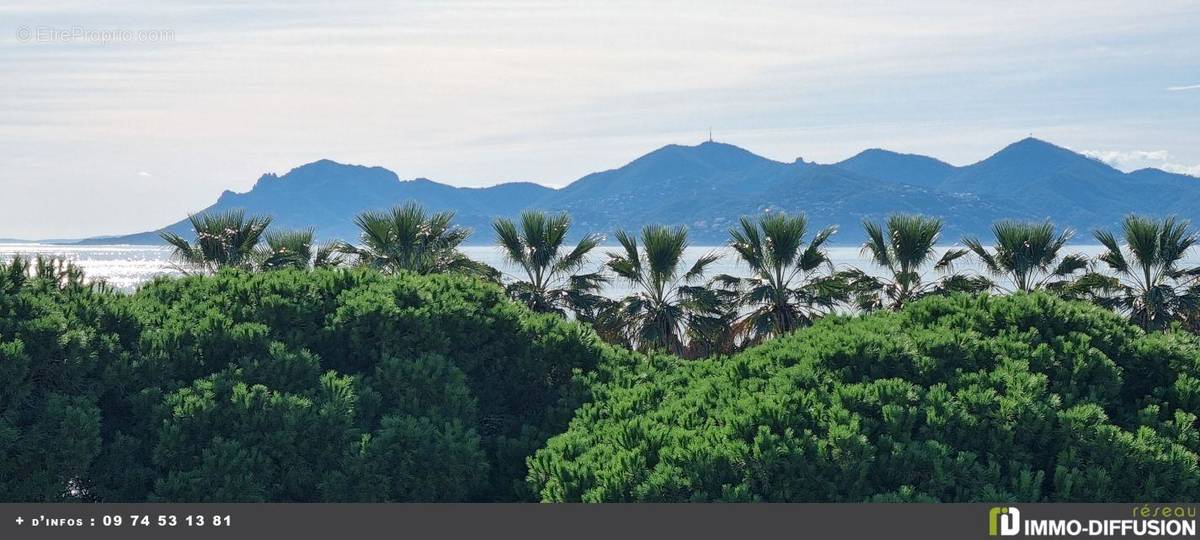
{"points": [[1150, 285], [406, 238], [1028, 255], [665, 304], [904, 249], [223, 239], [297, 249], [537, 247], [787, 288]]}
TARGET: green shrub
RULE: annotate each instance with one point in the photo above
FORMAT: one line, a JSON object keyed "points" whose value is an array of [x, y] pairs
{"points": [[1023, 398], [56, 340], [347, 385], [281, 386]]}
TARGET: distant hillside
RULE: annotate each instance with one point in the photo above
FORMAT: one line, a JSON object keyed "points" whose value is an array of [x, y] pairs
{"points": [[327, 196], [709, 186]]}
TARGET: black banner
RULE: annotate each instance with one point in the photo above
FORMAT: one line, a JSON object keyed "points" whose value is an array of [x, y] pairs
{"points": [[609, 521]]}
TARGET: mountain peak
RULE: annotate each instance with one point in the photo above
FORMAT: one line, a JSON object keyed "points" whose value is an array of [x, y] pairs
{"points": [[326, 165], [912, 169], [1036, 141], [325, 174], [884, 154], [1030, 156], [708, 154], [1032, 147], [720, 147], [1061, 182], [873, 152]]}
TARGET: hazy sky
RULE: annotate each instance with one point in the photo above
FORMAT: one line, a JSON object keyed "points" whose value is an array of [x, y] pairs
{"points": [[118, 117]]}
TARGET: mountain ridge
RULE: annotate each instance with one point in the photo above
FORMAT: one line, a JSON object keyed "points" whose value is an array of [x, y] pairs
{"points": [[710, 185]]}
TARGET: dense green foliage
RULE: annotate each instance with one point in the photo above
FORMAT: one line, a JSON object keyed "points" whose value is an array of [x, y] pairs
{"points": [[319, 385], [56, 336], [958, 398], [400, 370]]}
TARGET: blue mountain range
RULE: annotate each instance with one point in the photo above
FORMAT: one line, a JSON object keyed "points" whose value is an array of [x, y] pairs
{"points": [[709, 186]]}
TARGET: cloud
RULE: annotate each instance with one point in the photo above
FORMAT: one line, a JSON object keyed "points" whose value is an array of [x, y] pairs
{"points": [[1131, 160], [1179, 88], [1193, 170], [474, 93], [145, 174], [1120, 158]]}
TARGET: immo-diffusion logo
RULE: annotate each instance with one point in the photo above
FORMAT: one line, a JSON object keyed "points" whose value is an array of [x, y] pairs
{"points": [[1148, 520], [1004, 521]]}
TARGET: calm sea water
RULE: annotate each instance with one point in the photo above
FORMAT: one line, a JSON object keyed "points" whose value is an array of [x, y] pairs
{"points": [[126, 267]]}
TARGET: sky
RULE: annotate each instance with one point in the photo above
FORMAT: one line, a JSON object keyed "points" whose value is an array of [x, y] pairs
{"points": [[118, 117]]}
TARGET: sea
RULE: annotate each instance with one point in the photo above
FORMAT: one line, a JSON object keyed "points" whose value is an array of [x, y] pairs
{"points": [[126, 267]]}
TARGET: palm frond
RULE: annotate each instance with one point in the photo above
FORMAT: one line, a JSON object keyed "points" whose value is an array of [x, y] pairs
{"points": [[1070, 264], [877, 245], [1113, 256], [577, 258], [698, 268], [946, 262]]}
